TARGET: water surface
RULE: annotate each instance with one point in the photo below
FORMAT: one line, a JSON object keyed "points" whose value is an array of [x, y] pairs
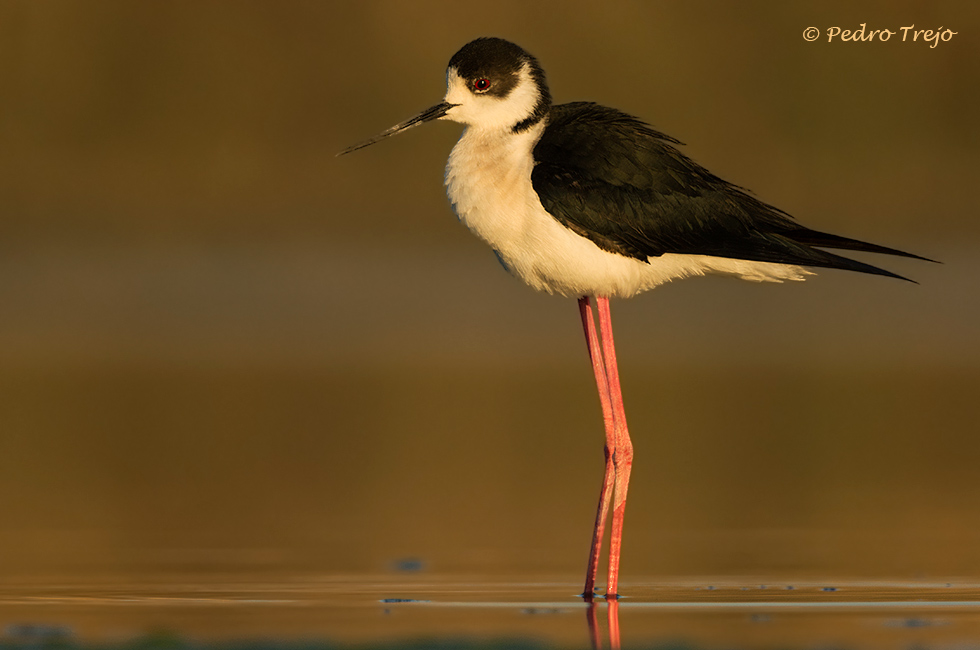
{"points": [[382, 611]]}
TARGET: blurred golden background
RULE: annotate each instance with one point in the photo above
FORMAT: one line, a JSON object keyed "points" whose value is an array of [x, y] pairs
{"points": [[224, 349]]}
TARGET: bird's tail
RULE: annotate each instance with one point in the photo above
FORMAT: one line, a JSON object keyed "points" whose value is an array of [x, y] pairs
{"points": [[818, 239], [826, 240]]}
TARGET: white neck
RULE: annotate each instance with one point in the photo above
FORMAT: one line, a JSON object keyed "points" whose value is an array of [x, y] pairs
{"points": [[488, 180]]}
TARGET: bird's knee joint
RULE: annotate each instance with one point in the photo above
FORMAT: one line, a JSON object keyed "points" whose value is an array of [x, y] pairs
{"points": [[623, 456]]}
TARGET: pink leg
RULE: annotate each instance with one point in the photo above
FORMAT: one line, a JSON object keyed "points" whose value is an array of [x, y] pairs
{"points": [[622, 450], [605, 494]]}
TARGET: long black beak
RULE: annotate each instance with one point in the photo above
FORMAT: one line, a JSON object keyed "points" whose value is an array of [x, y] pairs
{"points": [[429, 114]]}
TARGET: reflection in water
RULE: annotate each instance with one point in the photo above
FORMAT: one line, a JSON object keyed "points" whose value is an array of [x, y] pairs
{"points": [[612, 617], [374, 612], [590, 616]]}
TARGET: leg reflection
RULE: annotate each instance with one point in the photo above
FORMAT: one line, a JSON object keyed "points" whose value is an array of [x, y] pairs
{"points": [[590, 617], [612, 616]]}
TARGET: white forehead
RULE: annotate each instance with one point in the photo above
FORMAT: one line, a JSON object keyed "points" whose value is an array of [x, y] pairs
{"points": [[486, 111]]}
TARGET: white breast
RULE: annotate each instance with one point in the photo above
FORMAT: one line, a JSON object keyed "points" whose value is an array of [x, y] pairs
{"points": [[488, 180]]}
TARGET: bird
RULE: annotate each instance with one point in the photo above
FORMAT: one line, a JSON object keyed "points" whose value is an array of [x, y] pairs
{"points": [[588, 202]]}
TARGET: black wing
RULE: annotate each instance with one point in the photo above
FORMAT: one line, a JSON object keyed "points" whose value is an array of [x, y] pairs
{"points": [[610, 177]]}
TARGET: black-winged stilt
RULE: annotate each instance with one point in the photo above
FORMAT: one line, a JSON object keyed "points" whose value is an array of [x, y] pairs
{"points": [[585, 201]]}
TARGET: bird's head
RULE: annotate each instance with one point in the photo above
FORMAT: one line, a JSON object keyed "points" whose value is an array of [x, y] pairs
{"points": [[492, 84]]}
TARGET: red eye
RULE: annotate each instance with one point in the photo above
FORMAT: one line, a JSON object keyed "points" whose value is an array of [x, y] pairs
{"points": [[481, 84]]}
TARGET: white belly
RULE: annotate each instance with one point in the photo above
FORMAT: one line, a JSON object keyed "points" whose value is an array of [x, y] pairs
{"points": [[488, 181]]}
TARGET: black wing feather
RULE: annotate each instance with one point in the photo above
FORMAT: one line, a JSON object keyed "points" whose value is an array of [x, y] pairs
{"points": [[615, 180]]}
